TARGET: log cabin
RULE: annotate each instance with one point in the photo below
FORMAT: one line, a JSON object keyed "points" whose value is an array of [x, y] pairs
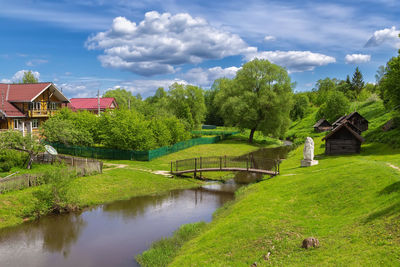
{"points": [[354, 118], [343, 140], [322, 126], [24, 107]]}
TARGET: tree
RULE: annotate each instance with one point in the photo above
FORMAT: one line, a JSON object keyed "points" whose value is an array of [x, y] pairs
{"points": [[187, 103], [29, 77], [124, 98], [336, 105], [260, 99], [212, 116], [357, 83], [390, 83], [300, 107], [323, 87], [16, 141]]}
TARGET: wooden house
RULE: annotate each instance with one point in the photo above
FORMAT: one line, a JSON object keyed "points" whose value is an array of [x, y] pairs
{"points": [[93, 104], [24, 107], [343, 140], [322, 126], [354, 118]]}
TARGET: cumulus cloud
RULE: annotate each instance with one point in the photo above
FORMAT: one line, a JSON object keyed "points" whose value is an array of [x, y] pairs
{"points": [[18, 76], [390, 35], [269, 38], [160, 42], [357, 58], [294, 61], [205, 77]]}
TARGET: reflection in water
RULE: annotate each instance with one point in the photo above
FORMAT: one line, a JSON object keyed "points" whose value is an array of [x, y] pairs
{"points": [[112, 234], [109, 235]]}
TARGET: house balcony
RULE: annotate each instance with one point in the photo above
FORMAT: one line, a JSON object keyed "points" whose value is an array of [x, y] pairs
{"points": [[41, 113]]}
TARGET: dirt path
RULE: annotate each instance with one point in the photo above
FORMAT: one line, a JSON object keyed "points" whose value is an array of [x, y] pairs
{"points": [[124, 166], [393, 166]]}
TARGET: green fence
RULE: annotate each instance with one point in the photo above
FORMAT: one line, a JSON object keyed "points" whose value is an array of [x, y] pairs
{"points": [[223, 133], [107, 153], [208, 127]]}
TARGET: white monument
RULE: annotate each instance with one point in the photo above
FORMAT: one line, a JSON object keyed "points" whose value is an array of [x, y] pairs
{"points": [[308, 153]]}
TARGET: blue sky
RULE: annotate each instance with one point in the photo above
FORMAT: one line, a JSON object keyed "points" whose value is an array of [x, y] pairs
{"points": [[89, 45]]}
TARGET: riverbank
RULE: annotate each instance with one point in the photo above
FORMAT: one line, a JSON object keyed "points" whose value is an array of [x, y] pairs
{"points": [[350, 203], [114, 184], [125, 180]]}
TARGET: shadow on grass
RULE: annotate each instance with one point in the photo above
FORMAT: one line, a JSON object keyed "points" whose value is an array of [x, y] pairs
{"points": [[391, 210], [393, 188]]}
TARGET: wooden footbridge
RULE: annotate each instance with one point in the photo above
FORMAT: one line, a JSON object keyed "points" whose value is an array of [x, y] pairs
{"points": [[226, 163]]}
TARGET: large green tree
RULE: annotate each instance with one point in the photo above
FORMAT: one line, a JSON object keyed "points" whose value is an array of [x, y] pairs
{"points": [[336, 105], [212, 115], [260, 99]]}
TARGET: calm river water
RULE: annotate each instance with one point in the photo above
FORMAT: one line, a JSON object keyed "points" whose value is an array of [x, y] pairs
{"points": [[113, 234]]}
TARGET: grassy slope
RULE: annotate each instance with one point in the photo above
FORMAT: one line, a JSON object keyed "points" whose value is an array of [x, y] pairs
{"points": [[350, 203]]}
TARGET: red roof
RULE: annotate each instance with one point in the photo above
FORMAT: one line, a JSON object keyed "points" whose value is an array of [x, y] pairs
{"points": [[12, 93], [91, 103], [23, 92]]}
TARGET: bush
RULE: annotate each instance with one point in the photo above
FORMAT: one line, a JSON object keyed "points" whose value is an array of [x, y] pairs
{"points": [[11, 158]]}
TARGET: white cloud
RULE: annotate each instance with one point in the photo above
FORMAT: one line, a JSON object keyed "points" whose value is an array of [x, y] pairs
{"points": [[147, 87], [160, 42], [35, 62], [357, 58], [205, 77], [18, 76], [269, 38], [390, 35], [294, 61]]}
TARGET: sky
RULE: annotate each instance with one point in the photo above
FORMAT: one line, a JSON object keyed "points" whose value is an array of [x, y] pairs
{"points": [[88, 45]]}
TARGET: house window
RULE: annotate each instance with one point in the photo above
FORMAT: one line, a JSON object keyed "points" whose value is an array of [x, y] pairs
{"points": [[17, 124], [35, 124], [52, 105], [34, 106]]}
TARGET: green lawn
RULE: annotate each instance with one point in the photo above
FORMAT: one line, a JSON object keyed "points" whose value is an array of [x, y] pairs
{"points": [[350, 203]]}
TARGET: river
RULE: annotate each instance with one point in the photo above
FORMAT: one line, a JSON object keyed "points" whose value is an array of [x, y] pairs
{"points": [[113, 234]]}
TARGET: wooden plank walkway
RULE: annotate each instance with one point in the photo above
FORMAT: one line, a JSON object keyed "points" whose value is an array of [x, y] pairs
{"points": [[226, 163]]}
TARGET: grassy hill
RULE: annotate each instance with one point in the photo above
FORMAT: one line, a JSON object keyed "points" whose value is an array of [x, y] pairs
{"points": [[350, 203]]}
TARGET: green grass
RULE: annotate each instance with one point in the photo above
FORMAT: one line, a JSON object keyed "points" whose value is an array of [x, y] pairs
{"points": [[233, 146], [115, 184], [36, 168], [350, 203], [162, 252]]}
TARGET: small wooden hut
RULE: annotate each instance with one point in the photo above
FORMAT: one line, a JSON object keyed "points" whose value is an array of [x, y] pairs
{"points": [[322, 126], [343, 140], [339, 121]]}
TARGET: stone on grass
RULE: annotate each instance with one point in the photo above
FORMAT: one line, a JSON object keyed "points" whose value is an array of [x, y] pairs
{"points": [[310, 242], [308, 153]]}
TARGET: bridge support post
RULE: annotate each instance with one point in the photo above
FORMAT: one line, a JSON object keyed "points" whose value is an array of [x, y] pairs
{"points": [[247, 163], [195, 168], [201, 166], [220, 163]]}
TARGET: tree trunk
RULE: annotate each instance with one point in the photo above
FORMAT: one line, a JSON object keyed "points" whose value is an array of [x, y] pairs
{"points": [[30, 162], [252, 131]]}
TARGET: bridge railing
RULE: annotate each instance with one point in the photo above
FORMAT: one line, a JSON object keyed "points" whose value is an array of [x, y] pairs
{"points": [[225, 162]]}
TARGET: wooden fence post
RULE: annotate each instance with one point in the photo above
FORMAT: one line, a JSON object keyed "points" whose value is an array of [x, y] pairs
{"points": [[171, 166], [225, 161], [220, 163], [201, 166], [247, 163]]}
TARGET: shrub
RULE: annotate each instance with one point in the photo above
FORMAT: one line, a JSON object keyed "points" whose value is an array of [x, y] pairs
{"points": [[11, 158]]}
